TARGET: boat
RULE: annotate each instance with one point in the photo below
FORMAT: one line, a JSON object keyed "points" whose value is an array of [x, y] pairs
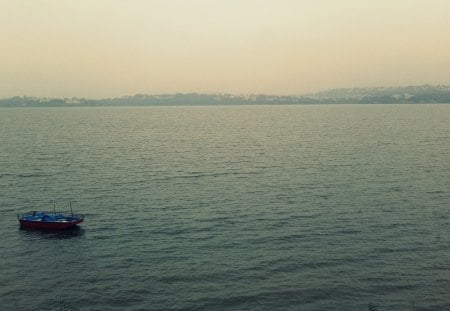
{"points": [[49, 220]]}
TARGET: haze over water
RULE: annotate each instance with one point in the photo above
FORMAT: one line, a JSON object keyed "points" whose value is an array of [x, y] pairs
{"points": [[228, 208], [100, 49], [278, 207]]}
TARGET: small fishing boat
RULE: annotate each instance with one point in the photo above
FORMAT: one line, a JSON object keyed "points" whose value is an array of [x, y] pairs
{"points": [[49, 220]]}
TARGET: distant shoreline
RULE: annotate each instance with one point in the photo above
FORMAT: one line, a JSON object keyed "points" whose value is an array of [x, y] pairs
{"points": [[424, 94], [213, 105]]}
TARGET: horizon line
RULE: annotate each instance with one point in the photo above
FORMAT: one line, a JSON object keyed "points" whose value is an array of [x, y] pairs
{"points": [[236, 94]]}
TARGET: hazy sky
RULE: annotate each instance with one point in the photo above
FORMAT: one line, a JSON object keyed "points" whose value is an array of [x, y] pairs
{"points": [[106, 48]]}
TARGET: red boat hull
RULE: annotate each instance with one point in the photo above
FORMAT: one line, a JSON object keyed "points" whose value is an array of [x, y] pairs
{"points": [[48, 225]]}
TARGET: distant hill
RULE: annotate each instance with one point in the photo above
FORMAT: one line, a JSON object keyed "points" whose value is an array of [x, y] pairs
{"points": [[387, 95], [377, 95]]}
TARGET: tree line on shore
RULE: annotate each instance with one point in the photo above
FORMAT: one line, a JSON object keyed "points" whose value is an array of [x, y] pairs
{"points": [[378, 95]]}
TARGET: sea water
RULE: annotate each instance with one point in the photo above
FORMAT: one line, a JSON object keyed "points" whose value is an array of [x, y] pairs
{"points": [[327, 207]]}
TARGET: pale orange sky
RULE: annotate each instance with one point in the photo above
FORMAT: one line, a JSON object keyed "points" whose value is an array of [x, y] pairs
{"points": [[107, 48]]}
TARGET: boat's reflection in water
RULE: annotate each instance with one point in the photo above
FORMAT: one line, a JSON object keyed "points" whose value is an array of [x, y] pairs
{"points": [[40, 234]]}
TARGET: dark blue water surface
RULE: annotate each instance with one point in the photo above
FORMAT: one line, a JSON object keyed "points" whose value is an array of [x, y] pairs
{"points": [[228, 208]]}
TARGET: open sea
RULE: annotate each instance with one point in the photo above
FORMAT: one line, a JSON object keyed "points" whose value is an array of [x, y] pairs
{"points": [[326, 207]]}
